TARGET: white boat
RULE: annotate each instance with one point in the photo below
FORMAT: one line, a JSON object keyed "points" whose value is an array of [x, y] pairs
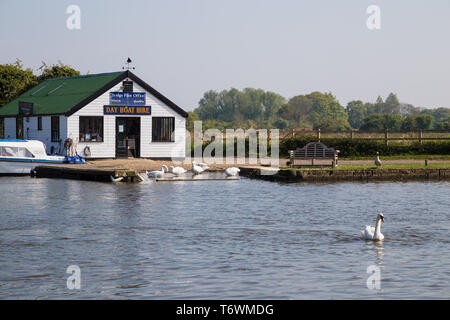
{"points": [[19, 157]]}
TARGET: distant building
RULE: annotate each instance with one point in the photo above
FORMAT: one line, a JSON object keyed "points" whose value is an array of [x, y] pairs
{"points": [[110, 115]]}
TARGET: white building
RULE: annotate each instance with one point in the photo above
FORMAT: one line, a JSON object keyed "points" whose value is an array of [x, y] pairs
{"points": [[110, 115]]}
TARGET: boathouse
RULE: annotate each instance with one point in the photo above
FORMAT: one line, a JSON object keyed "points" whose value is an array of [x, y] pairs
{"points": [[107, 115]]}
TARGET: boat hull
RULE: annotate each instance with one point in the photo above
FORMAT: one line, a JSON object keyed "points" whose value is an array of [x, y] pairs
{"points": [[8, 167]]}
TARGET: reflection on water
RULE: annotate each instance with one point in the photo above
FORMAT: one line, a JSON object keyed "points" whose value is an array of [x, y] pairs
{"points": [[242, 239]]}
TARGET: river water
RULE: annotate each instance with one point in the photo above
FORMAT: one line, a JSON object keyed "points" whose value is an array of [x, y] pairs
{"points": [[244, 239]]}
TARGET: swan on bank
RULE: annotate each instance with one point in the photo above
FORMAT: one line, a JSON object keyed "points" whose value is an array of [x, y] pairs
{"points": [[371, 233], [158, 174], [233, 171], [196, 168], [177, 170], [378, 161]]}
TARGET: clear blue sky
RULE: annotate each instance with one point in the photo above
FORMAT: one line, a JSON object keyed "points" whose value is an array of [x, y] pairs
{"points": [[185, 47]]}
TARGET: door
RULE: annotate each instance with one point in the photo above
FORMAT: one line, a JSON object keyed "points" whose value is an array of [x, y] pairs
{"points": [[128, 137]]}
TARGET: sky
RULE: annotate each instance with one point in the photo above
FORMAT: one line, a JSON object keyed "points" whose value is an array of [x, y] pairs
{"points": [[183, 48]]}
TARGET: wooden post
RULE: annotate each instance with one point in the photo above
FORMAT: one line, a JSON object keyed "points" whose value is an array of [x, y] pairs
{"points": [[293, 133], [351, 134], [318, 135], [386, 137], [420, 136]]}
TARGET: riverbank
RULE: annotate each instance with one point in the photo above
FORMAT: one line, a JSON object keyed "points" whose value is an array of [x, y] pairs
{"points": [[332, 175], [348, 170]]}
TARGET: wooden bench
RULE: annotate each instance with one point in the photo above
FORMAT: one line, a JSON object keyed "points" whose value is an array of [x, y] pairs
{"points": [[313, 151]]}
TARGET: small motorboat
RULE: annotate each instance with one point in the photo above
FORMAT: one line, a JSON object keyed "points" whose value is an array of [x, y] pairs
{"points": [[20, 157]]}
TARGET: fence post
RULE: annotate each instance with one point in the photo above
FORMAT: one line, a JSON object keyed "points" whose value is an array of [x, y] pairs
{"points": [[293, 133], [386, 137], [420, 136], [318, 135], [351, 134]]}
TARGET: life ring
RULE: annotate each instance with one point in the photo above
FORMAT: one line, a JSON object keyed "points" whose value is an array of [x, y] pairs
{"points": [[87, 151]]}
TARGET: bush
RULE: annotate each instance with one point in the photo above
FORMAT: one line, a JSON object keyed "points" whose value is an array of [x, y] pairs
{"points": [[356, 148]]}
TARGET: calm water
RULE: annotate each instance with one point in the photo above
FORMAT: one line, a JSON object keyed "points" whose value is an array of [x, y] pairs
{"points": [[243, 239]]}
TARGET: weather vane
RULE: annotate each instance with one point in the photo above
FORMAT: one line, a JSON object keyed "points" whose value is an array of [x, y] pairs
{"points": [[128, 65]]}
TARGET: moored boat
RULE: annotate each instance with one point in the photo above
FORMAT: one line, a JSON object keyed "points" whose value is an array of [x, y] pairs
{"points": [[20, 157]]}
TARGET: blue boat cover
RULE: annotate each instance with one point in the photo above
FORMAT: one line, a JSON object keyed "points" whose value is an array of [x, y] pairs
{"points": [[75, 159]]}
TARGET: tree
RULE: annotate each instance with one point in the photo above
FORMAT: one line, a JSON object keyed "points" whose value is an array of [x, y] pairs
{"points": [[424, 121], [316, 110], [378, 121], [443, 124], [192, 116], [15, 80], [281, 124], [356, 111], [391, 105], [59, 70]]}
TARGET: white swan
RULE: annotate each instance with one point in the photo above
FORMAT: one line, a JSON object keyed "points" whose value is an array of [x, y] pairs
{"points": [[196, 169], [115, 179], [378, 161], [177, 170], [201, 164], [233, 171], [371, 233], [158, 174]]}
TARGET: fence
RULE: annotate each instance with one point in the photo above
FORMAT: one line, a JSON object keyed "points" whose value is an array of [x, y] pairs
{"points": [[380, 135]]}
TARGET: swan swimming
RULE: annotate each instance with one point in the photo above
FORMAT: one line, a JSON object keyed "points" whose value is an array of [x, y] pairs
{"points": [[158, 174], [371, 233], [233, 171], [177, 170]]}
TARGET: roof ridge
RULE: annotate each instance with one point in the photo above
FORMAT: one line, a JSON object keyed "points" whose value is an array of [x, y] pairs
{"points": [[84, 76]]}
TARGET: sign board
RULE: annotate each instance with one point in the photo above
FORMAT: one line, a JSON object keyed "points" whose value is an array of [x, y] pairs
{"points": [[127, 86], [128, 110], [25, 108], [127, 98]]}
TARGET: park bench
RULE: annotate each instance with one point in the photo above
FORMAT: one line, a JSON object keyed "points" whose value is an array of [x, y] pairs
{"points": [[313, 151]]}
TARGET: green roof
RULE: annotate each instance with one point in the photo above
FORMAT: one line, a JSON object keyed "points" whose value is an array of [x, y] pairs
{"points": [[58, 96]]}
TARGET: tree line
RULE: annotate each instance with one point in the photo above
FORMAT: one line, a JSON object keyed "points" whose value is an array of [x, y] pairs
{"points": [[264, 109], [257, 108]]}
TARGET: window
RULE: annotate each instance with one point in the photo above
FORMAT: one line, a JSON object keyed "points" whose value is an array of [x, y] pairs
{"points": [[91, 129], [127, 86], [19, 128], [18, 152], [2, 128], [39, 123], [163, 129], [55, 129]]}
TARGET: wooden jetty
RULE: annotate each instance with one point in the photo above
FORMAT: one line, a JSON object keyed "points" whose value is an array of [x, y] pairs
{"points": [[83, 173], [104, 174], [175, 179]]}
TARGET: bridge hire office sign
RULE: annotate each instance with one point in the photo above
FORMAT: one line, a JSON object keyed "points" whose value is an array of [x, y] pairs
{"points": [[127, 110], [127, 98]]}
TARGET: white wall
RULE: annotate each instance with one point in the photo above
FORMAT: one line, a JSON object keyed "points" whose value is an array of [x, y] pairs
{"points": [[148, 149], [31, 132]]}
